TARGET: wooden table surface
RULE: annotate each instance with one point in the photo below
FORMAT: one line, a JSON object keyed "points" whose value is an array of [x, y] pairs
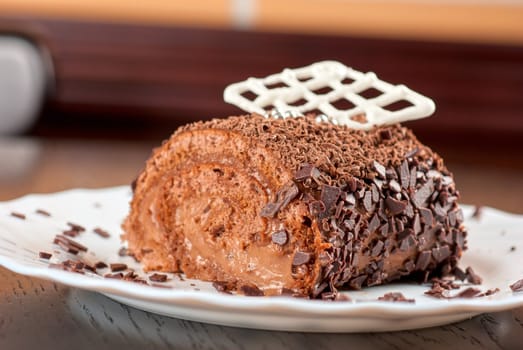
{"points": [[45, 315]]}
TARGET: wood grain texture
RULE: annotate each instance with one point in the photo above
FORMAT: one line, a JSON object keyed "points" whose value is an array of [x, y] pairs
{"points": [[41, 314]]}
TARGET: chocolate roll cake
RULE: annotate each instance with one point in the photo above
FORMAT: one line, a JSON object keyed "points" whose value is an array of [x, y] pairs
{"points": [[271, 206]]}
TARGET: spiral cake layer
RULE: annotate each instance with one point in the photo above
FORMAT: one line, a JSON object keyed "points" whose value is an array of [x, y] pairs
{"points": [[272, 206]]}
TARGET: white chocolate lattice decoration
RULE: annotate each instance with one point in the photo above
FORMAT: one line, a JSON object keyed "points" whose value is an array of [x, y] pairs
{"points": [[339, 94]]}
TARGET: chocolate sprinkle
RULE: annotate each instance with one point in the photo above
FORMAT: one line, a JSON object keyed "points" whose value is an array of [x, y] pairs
{"points": [[42, 212], [517, 286], [101, 232], [301, 258], [279, 237], [18, 215]]}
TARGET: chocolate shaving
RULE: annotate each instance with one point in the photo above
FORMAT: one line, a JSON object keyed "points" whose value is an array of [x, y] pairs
{"points": [[395, 297], [404, 174], [395, 206], [18, 215], [158, 277], [517, 286], [117, 276], [423, 260], [472, 277], [279, 237], [283, 197], [441, 253], [118, 267], [421, 196], [380, 169], [102, 233], [44, 255], [301, 258]]}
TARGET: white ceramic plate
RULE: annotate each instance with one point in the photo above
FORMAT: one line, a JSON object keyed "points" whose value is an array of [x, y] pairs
{"points": [[495, 252]]}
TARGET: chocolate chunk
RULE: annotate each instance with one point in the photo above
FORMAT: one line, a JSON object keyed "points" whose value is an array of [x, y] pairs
{"points": [[158, 277], [375, 193], [357, 282], [18, 215], [279, 237], [374, 223], [472, 276], [423, 260], [517, 286], [395, 206], [251, 290], [367, 201], [329, 196], [224, 287], [43, 212], [460, 274], [426, 216], [118, 267], [412, 179], [394, 186], [301, 258], [376, 250], [316, 208], [306, 171], [404, 174], [44, 255], [380, 169], [441, 253], [101, 232], [407, 242], [421, 196], [395, 297], [416, 226], [100, 265], [283, 197]]}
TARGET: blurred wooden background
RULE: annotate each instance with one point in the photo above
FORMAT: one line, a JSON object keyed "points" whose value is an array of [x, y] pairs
{"points": [[137, 71]]}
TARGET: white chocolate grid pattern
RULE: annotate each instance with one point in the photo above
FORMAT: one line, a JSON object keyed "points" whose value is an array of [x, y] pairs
{"points": [[300, 84]]}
